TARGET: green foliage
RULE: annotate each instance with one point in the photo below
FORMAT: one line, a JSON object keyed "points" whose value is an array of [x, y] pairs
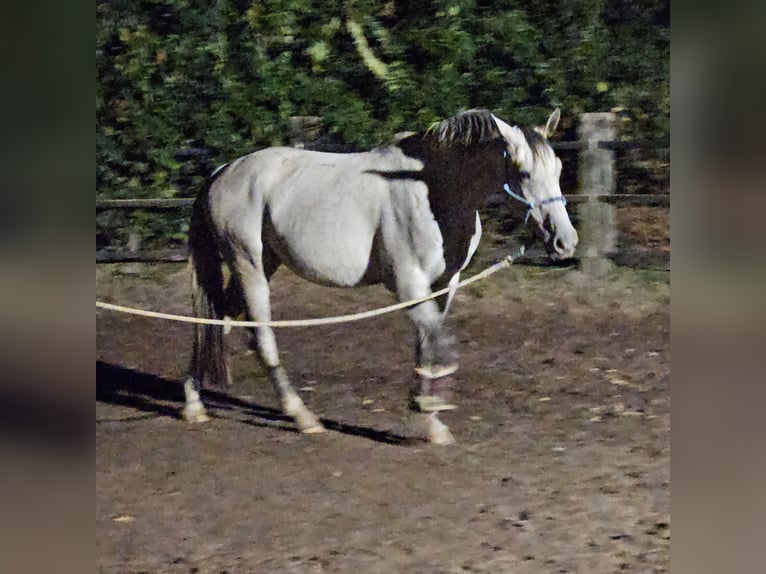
{"points": [[184, 85]]}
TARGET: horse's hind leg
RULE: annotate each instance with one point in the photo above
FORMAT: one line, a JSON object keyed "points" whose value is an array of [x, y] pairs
{"points": [[194, 410], [233, 300], [255, 287]]}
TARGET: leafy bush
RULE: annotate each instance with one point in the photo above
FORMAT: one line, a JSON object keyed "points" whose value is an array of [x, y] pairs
{"points": [[184, 85]]}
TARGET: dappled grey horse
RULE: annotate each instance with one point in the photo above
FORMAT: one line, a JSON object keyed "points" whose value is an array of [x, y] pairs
{"points": [[404, 215]]}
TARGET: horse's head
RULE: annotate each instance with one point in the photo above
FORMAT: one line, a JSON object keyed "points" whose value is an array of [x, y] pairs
{"points": [[532, 177]]}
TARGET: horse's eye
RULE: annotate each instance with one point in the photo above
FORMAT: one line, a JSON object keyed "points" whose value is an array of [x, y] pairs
{"points": [[524, 174]]}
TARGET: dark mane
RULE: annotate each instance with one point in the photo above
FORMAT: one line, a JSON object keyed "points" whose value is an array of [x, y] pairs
{"points": [[466, 128]]}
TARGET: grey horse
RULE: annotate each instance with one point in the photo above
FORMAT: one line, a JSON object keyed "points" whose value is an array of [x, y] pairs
{"points": [[404, 215]]}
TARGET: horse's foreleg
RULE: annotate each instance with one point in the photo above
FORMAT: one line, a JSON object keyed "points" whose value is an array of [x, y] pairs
{"points": [[431, 396], [436, 361], [255, 286]]}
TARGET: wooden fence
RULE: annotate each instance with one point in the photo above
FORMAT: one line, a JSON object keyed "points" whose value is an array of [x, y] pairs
{"points": [[596, 210]]}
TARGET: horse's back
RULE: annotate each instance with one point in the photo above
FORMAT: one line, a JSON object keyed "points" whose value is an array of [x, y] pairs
{"points": [[320, 213]]}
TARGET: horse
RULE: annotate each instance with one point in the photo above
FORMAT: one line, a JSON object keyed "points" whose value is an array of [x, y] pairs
{"points": [[404, 215]]}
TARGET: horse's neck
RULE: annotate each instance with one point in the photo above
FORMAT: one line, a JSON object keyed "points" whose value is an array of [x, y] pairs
{"points": [[462, 181], [459, 184]]}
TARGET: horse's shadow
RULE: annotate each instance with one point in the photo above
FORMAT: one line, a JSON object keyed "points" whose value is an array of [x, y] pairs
{"points": [[157, 396]]}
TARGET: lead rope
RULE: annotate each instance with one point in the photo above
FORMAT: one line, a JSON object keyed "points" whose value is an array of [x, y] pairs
{"points": [[452, 285], [228, 323]]}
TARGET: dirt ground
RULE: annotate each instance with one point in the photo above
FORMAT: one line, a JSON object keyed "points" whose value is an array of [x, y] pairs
{"points": [[561, 465]]}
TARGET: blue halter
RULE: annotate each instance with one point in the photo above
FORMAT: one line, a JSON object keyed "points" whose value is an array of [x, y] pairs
{"points": [[525, 201], [532, 204]]}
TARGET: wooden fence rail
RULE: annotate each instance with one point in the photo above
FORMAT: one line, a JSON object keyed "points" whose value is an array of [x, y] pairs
{"points": [[625, 199], [144, 204], [596, 173]]}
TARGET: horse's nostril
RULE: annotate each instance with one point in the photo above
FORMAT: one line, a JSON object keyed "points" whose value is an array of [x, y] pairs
{"points": [[559, 246]]}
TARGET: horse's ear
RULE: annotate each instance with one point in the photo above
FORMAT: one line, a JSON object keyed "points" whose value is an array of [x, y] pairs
{"points": [[552, 123]]}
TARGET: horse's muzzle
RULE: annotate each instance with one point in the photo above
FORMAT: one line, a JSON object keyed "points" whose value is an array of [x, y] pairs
{"points": [[560, 242], [564, 247]]}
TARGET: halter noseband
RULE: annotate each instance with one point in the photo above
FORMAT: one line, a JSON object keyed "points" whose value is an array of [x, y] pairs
{"points": [[532, 204]]}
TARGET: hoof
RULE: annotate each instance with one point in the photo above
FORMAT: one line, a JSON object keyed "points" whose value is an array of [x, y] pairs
{"points": [[308, 423], [195, 414], [438, 433], [314, 429]]}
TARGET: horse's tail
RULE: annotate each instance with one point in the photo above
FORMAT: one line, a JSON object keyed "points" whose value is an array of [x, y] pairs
{"points": [[209, 364]]}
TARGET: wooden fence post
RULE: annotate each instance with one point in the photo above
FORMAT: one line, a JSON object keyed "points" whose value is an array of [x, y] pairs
{"points": [[597, 226], [304, 130]]}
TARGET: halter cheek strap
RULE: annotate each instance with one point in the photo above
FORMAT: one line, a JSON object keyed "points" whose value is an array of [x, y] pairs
{"points": [[525, 201]]}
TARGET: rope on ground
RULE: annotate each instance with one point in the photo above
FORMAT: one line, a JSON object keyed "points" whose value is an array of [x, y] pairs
{"points": [[504, 263]]}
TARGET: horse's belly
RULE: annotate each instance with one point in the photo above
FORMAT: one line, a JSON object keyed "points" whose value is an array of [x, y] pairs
{"points": [[336, 256]]}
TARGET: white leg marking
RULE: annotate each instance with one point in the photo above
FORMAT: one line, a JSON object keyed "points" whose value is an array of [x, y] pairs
{"points": [[194, 411]]}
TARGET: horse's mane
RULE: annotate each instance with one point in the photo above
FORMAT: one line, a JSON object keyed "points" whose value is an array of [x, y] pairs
{"points": [[477, 127], [466, 128]]}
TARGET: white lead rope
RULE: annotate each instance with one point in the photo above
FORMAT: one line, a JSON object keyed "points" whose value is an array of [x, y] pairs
{"points": [[453, 282], [502, 264]]}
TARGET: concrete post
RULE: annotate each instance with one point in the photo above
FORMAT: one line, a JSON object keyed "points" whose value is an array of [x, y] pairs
{"points": [[598, 225]]}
